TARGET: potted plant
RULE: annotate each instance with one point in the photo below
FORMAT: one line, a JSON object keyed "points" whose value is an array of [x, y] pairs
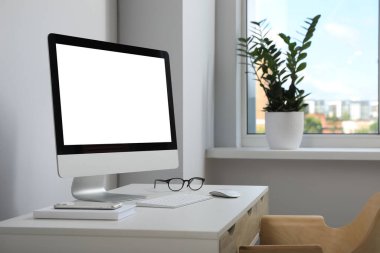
{"points": [[279, 75]]}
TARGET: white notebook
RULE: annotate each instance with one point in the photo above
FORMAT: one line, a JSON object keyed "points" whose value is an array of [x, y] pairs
{"points": [[80, 214]]}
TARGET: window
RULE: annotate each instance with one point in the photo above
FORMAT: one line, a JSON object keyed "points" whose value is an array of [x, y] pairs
{"points": [[342, 71]]}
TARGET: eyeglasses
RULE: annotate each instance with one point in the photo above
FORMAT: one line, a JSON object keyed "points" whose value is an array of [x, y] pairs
{"points": [[176, 184]]}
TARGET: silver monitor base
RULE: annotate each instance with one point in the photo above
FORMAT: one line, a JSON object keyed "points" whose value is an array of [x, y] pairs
{"points": [[93, 189]]}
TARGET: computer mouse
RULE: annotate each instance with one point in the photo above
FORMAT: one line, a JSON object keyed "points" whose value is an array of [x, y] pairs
{"points": [[225, 193]]}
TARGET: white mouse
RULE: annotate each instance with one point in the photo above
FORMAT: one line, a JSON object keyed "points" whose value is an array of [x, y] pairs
{"points": [[224, 193]]}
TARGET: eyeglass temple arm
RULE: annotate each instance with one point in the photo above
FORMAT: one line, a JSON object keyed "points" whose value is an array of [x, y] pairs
{"points": [[160, 180]]}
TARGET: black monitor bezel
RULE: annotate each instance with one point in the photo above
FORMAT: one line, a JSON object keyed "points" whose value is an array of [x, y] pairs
{"points": [[62, 149]]}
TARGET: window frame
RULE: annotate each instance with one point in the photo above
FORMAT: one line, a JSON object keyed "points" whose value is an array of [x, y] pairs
{"points": [[308, 140]]}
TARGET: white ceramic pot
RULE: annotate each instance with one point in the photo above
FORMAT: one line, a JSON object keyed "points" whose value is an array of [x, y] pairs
{"points": [[284, 130]]}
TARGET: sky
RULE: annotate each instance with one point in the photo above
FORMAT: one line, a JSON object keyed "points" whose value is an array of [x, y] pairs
{"points": [[343, 58]]}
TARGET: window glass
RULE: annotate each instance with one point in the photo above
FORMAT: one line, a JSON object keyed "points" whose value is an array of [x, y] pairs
{"points": [[342, 63]]}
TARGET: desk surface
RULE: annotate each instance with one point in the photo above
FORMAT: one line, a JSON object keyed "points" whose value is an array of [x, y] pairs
{"points": [[203, 220]]}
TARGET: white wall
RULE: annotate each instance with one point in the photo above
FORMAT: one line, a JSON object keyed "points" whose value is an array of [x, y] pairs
{"points": [[28, 176], [227, 81], [198, 79]]}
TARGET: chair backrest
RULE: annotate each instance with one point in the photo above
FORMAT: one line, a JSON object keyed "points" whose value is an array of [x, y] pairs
{"points": [[364, 232], [371, 240], [360, 236]]}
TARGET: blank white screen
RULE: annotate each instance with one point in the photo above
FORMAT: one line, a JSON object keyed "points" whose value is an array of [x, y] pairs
{"points": [[110, 97]]}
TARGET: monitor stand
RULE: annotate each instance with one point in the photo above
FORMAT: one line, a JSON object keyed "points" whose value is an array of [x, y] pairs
{"points": [[92, 188]]}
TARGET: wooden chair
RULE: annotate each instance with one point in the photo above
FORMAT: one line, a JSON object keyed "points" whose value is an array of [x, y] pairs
{"points": [[310, 234]]}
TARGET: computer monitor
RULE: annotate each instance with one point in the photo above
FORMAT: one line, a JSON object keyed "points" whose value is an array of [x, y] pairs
{"points": [[113, 112]]}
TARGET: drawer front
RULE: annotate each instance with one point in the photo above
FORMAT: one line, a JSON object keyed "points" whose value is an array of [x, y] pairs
{"points": [[245, 229]]}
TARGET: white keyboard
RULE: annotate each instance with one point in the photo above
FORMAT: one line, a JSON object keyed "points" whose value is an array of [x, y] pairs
{"points": [[173, 200]]}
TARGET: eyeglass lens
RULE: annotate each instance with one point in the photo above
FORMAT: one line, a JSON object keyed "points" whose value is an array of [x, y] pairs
{"points": [[195, 183], [175, 184]]}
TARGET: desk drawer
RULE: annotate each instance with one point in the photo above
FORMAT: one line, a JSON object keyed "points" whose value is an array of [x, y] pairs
{"points": [[245, 229]]}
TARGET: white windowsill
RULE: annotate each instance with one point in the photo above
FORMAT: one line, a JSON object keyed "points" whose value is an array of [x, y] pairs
{"points": [[365, 154]]}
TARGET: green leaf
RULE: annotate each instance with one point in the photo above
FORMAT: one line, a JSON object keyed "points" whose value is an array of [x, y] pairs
{"points": [[308, 36], [257, 23], [306, 45], [301, 67], [299, 80], [301, 57], [285, 38]]}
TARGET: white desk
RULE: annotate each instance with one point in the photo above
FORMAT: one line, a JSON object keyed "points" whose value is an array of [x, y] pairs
{"points": [[216, 225]]}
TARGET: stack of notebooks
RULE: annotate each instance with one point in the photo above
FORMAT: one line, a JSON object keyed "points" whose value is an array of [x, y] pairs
{"points": [[81, 214]]}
